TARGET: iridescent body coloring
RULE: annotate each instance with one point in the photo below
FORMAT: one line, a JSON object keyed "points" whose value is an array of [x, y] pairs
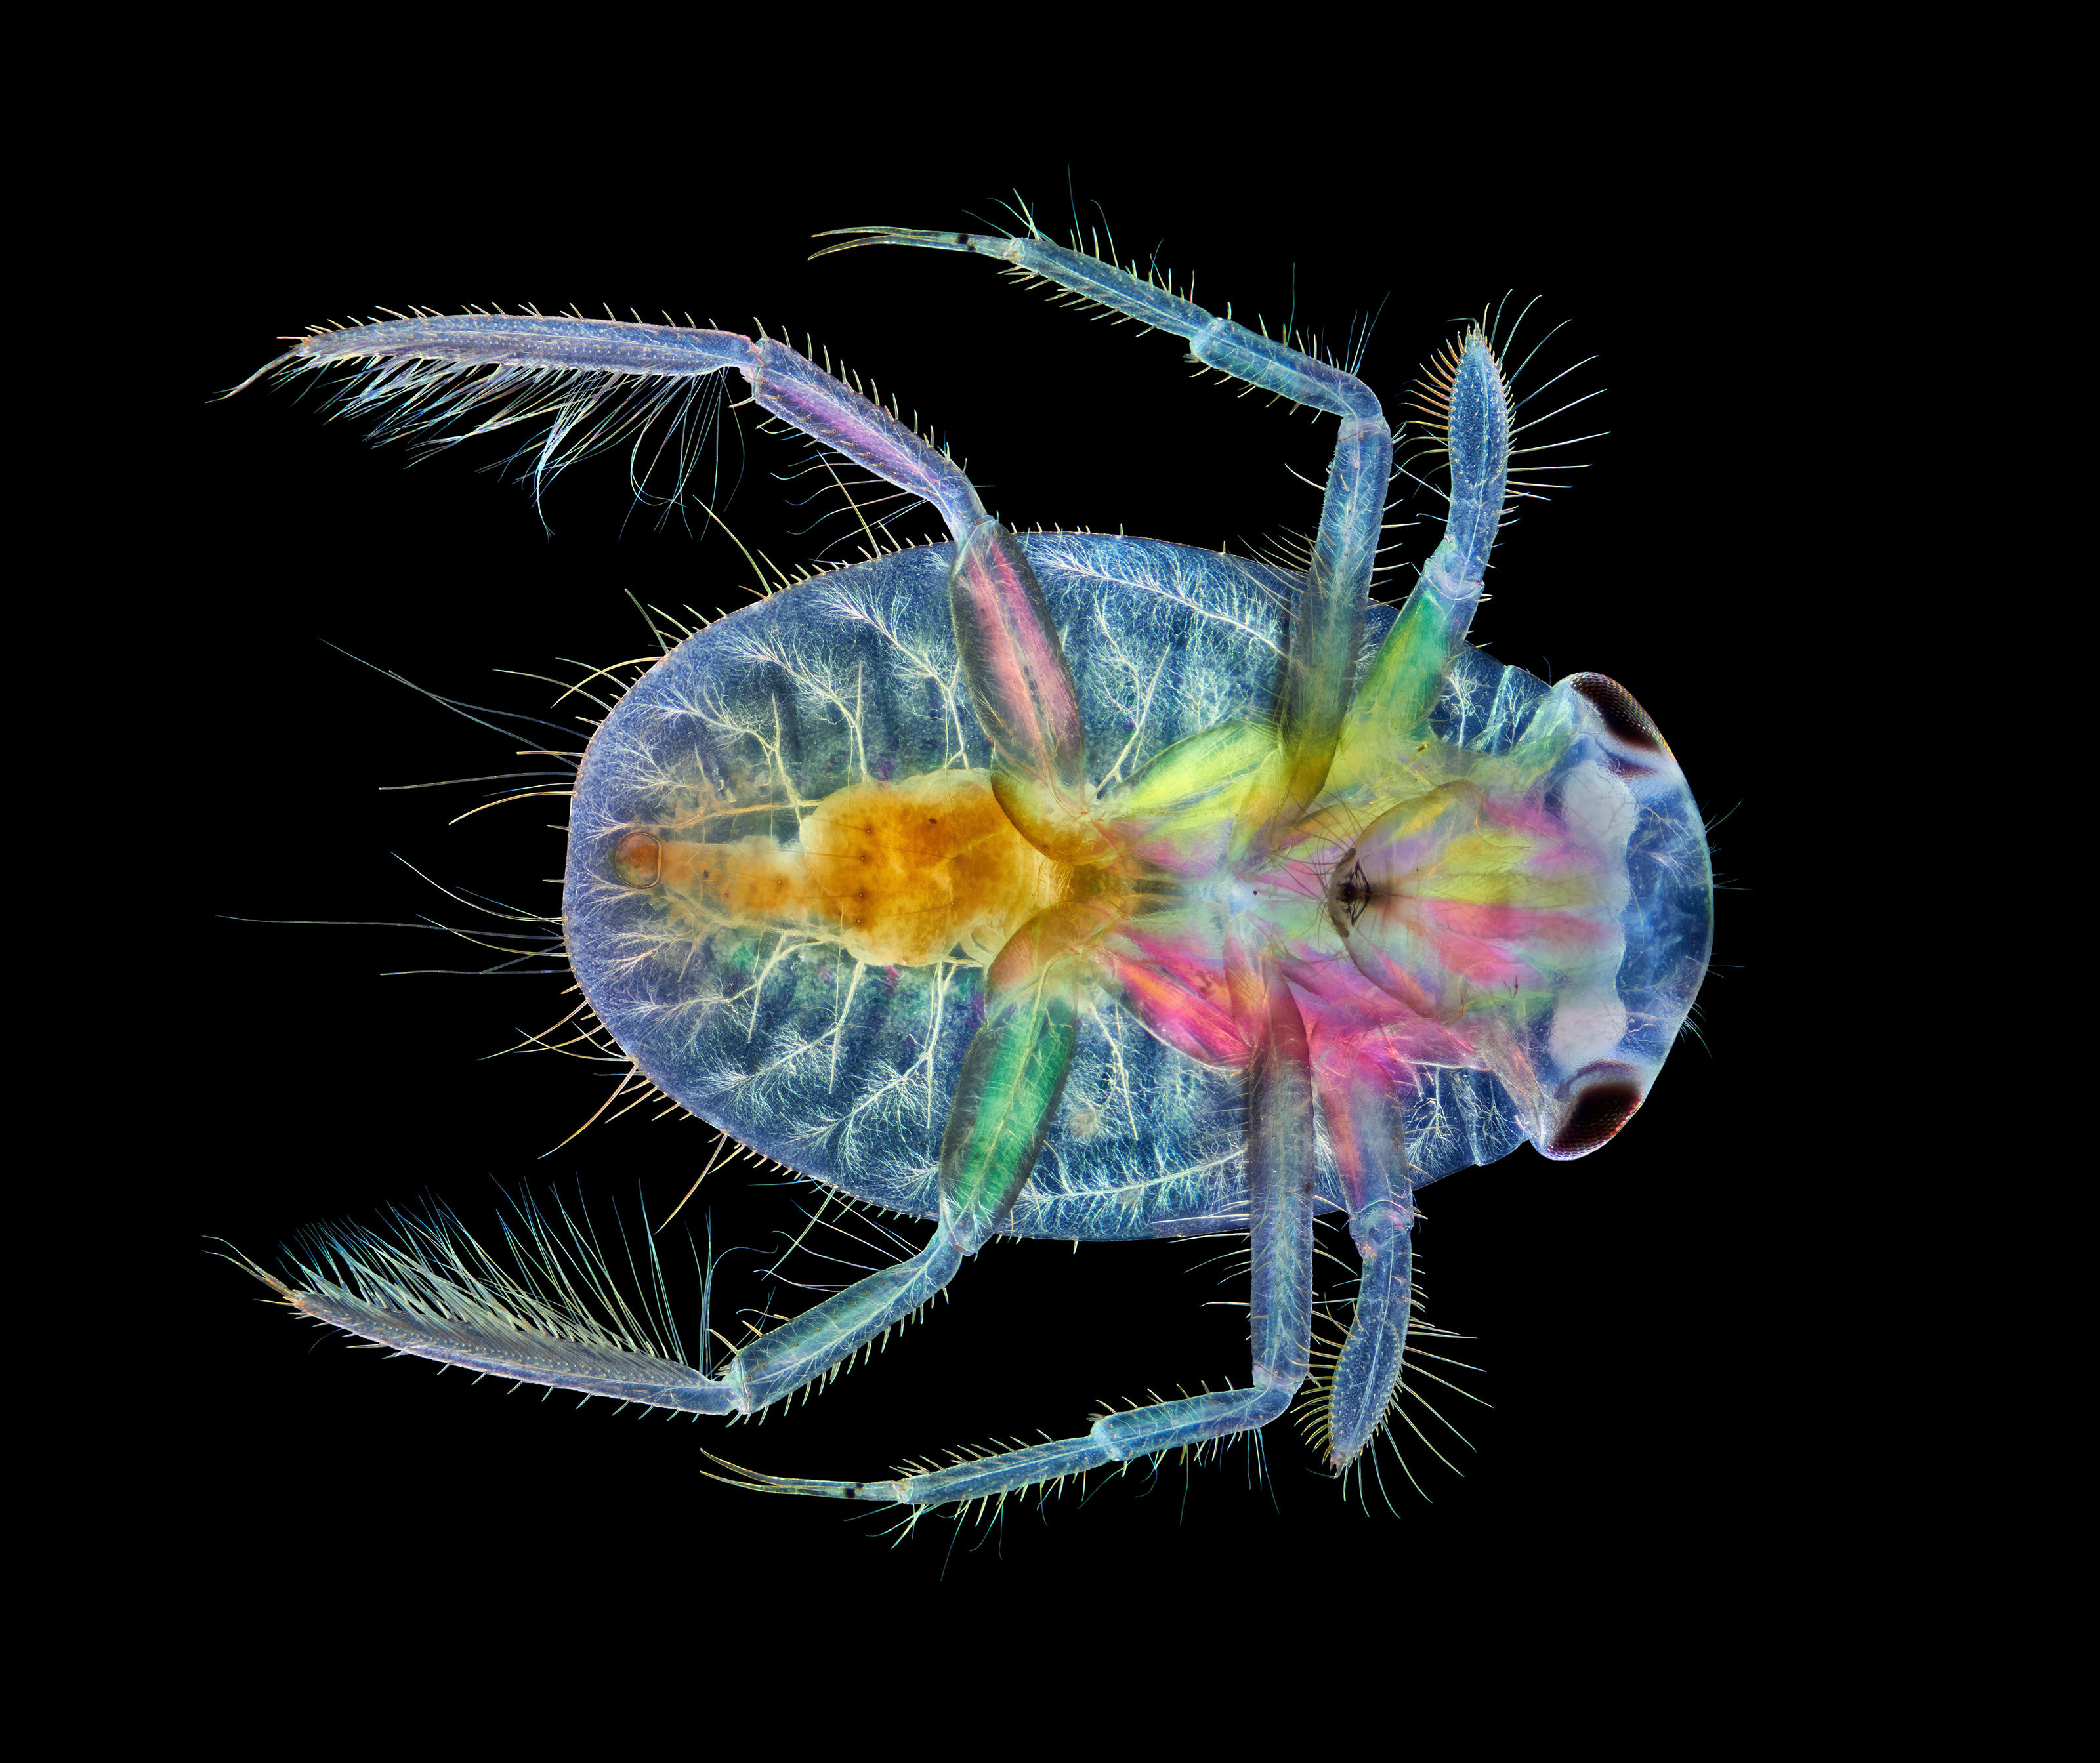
{"points": [[1078, 887]]}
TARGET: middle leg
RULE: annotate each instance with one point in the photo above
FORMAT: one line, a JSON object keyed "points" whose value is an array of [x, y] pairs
{"points": [[1280, 1193], [1326, 625]]}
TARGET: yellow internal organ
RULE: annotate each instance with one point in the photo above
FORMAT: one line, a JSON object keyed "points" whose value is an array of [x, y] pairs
{"points": [[898, 874]]}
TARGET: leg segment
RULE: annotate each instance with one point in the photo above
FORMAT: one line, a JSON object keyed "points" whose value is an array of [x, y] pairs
{"points": [[428, 367], [1401, 688], [446, 1309], [1024, 696], [1366, 1127], [1014, 1071]]}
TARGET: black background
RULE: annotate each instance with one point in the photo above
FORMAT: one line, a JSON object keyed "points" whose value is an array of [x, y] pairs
{"points": [[1611, 1300]]}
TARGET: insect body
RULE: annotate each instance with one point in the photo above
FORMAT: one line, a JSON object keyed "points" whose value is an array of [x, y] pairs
{"points": [[1084, 887]]}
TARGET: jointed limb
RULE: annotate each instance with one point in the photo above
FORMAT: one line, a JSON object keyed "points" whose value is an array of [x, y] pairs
{"points": [[1011, 659], [1280, 1191], [1366, 1127], [455, 1313], [1327, 623]]}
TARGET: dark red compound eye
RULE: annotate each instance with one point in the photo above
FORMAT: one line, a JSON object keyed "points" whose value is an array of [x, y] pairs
{"points": [[1606, 1096], [1621, 716]]}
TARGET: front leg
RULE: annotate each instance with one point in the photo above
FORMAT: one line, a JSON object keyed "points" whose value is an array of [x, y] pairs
{"points": [[1366, 1126], [1465, 389]]}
